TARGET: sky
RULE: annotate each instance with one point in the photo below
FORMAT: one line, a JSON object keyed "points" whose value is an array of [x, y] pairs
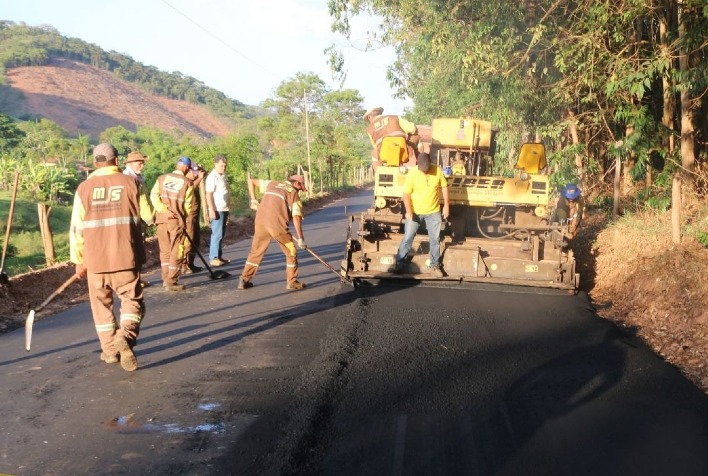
{"points": [[244, 48]]}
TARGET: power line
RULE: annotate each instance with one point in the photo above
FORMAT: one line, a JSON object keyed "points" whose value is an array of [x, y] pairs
{"points": [[277, 76]]}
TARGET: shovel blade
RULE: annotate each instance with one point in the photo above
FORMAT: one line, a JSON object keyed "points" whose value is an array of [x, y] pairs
{"points": [[220, 275], [28, 330]]}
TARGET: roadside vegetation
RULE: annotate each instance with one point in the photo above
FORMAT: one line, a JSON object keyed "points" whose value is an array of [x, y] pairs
{"points": [[25, 250]]}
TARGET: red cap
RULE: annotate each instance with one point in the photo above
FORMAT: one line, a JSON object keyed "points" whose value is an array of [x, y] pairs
{"points": [[299, 179]]}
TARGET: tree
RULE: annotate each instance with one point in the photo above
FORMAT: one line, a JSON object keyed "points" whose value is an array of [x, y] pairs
{"points": [[48, 173], [10, 135], [337, 138]]}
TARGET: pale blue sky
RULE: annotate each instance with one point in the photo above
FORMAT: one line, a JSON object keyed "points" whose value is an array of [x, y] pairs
{"points": [[244, 48]]}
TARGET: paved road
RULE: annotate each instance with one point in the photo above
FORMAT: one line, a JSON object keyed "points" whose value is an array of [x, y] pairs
{"points": [[329, 380]]}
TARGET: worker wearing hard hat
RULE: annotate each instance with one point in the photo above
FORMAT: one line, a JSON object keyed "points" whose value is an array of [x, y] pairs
{"points": [[570, 208]]}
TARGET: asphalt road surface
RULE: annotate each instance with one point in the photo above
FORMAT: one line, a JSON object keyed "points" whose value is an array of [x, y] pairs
{"points": [[330, 380]]}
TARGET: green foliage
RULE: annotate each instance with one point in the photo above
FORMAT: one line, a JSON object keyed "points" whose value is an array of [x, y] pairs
{"points": [[603, 202], [25, 250], [10, 135]]}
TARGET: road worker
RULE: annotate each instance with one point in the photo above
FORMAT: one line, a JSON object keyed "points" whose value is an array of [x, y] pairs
{"points": [[570, 208], [424, 187], [107, 248], [280, 204], [172, 198], [134, 165], [196, 174], [394, 139]]}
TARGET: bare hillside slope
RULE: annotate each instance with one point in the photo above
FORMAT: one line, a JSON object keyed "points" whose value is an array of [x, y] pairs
{"points": [[86, 100]]}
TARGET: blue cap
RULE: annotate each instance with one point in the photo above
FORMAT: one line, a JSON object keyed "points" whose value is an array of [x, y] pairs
{"points": [[185, 161], [571, 191]]}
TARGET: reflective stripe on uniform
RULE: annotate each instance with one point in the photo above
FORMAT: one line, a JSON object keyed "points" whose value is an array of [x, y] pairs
{"points": [[111, 222], [106, 327], [130, 317], [251, 264], [291, 265], [275, 195]]}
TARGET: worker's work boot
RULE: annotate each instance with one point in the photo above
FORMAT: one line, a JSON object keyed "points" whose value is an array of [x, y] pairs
{"points": [[244, 284], [127, 358], [437, 272], [174, 287], [295, 286], [190, 268], [109, 359]]}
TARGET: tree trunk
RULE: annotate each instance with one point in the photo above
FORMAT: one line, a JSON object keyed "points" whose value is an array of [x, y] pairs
{"points": [[676, 210], [43, 212], [616, 191], [573, 129], [629, 164], [669, 106], [688, 158]]}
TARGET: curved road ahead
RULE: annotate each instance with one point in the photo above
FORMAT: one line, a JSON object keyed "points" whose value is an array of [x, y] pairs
{"points": [[335, 381]]}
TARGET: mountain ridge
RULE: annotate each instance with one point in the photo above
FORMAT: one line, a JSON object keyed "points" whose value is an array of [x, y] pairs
{"points": [[86, 100]]}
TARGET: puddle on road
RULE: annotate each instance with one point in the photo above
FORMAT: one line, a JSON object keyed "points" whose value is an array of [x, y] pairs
{"points": [[129, 424], [207, 407]]}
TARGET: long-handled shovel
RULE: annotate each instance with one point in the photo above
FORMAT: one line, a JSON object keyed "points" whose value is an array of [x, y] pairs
{"points": [[213, 275], [29, 322], [341, 278], [4, 278]]}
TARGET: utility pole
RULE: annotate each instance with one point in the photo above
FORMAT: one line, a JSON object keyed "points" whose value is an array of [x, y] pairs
{"points": [[307, 135]]}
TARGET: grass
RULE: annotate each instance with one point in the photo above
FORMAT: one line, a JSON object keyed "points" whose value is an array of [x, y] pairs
{"points": [[25, 251]]}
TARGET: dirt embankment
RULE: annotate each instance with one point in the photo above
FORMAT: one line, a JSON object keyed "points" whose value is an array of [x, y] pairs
{"points": [[652, 287], [87, 100]]}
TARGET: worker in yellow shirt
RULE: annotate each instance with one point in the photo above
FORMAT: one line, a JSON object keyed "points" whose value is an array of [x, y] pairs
{"points": [[421, 198]]}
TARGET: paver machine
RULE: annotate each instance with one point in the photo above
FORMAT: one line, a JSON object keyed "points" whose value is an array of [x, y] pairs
{"points": [[499, 229]]}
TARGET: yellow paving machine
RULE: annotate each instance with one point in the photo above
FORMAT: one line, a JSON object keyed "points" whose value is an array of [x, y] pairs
{"points": [[499, 229]]}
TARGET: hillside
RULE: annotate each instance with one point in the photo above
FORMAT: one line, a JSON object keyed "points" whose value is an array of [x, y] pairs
{"points": [[86, 100]]}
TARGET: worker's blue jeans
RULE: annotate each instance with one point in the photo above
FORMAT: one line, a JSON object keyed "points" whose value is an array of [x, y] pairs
{"points": [[218, 227], [433, 222]]}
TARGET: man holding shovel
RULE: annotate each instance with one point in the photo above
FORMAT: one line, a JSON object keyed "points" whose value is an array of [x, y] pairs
{"points": [[107, 248], [280, 204], [172, 198]]}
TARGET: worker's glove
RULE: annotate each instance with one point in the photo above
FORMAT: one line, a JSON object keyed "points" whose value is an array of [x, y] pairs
{"points": [[254, 204], [301, 243]]}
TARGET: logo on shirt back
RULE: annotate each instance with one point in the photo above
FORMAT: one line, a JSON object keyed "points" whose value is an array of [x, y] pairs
{"points": [[172, 184], [107, 194], [381, 123]]}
